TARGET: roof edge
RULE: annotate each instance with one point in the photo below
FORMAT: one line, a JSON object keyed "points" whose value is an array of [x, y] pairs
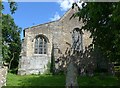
{"points": [[40, 24], [62, 17]]}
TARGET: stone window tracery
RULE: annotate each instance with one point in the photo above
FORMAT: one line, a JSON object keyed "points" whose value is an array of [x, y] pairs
{"points": [[40, 45]]}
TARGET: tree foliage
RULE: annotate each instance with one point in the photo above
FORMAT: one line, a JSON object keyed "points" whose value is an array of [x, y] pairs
{"points": [[11, 43], [10, 40], [102, 20], [12, 5]]}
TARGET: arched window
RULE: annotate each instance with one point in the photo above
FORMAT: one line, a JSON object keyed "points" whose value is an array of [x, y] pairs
{"points": [[77, 39], [40, 45]]}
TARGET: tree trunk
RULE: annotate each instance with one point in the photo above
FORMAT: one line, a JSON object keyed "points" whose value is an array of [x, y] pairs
{"points": [[10, 62]]}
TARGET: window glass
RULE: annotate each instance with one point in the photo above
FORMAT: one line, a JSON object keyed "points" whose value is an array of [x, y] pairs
{"points": [[40, 45]]}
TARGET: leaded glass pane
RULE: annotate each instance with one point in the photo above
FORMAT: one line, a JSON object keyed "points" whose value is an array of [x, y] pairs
{"points": [[36, 46], [40, 45]]}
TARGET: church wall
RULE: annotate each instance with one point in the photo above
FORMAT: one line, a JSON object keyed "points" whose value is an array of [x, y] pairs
{"points": [[59, 34], [33, 32], [35, 63], [63, 32]]}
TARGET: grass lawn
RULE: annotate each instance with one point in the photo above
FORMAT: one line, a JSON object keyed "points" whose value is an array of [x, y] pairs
{"points": [[59, 80], [35, 80], [99, 81]]}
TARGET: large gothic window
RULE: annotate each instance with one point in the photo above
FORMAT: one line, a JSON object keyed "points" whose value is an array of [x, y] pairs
{"points": [[40, 45], [77, 39]]}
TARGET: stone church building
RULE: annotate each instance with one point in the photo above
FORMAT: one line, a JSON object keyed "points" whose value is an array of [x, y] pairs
{"points": [[39, 40]]}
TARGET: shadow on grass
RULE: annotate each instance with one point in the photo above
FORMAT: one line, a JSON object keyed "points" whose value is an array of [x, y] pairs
{"points": [[99, 82], [58, 81]]}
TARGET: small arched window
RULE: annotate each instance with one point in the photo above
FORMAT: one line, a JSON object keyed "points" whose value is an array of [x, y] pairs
{"points": [[40, 45]]}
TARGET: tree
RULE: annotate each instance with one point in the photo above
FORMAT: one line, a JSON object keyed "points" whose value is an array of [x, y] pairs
{"points": [[12, 5], [11, 41], [102, 20]]}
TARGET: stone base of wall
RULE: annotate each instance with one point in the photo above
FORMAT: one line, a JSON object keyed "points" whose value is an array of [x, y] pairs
{"points": [[3, 74], [33, 65], [30, 71]]}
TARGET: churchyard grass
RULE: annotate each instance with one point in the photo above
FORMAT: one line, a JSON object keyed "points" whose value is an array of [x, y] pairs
{"points": [[35, 80], [59, 80], [99, 81]]}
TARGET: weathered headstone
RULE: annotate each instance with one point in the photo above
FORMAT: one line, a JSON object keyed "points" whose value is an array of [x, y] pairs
{"points": [[71, 77]]}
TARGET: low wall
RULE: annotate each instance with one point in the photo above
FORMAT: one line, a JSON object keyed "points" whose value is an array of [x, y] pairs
{"points": [[3, 74]]}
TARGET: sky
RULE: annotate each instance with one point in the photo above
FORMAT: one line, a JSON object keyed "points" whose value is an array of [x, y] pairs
{"points": [[29, 14]]}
